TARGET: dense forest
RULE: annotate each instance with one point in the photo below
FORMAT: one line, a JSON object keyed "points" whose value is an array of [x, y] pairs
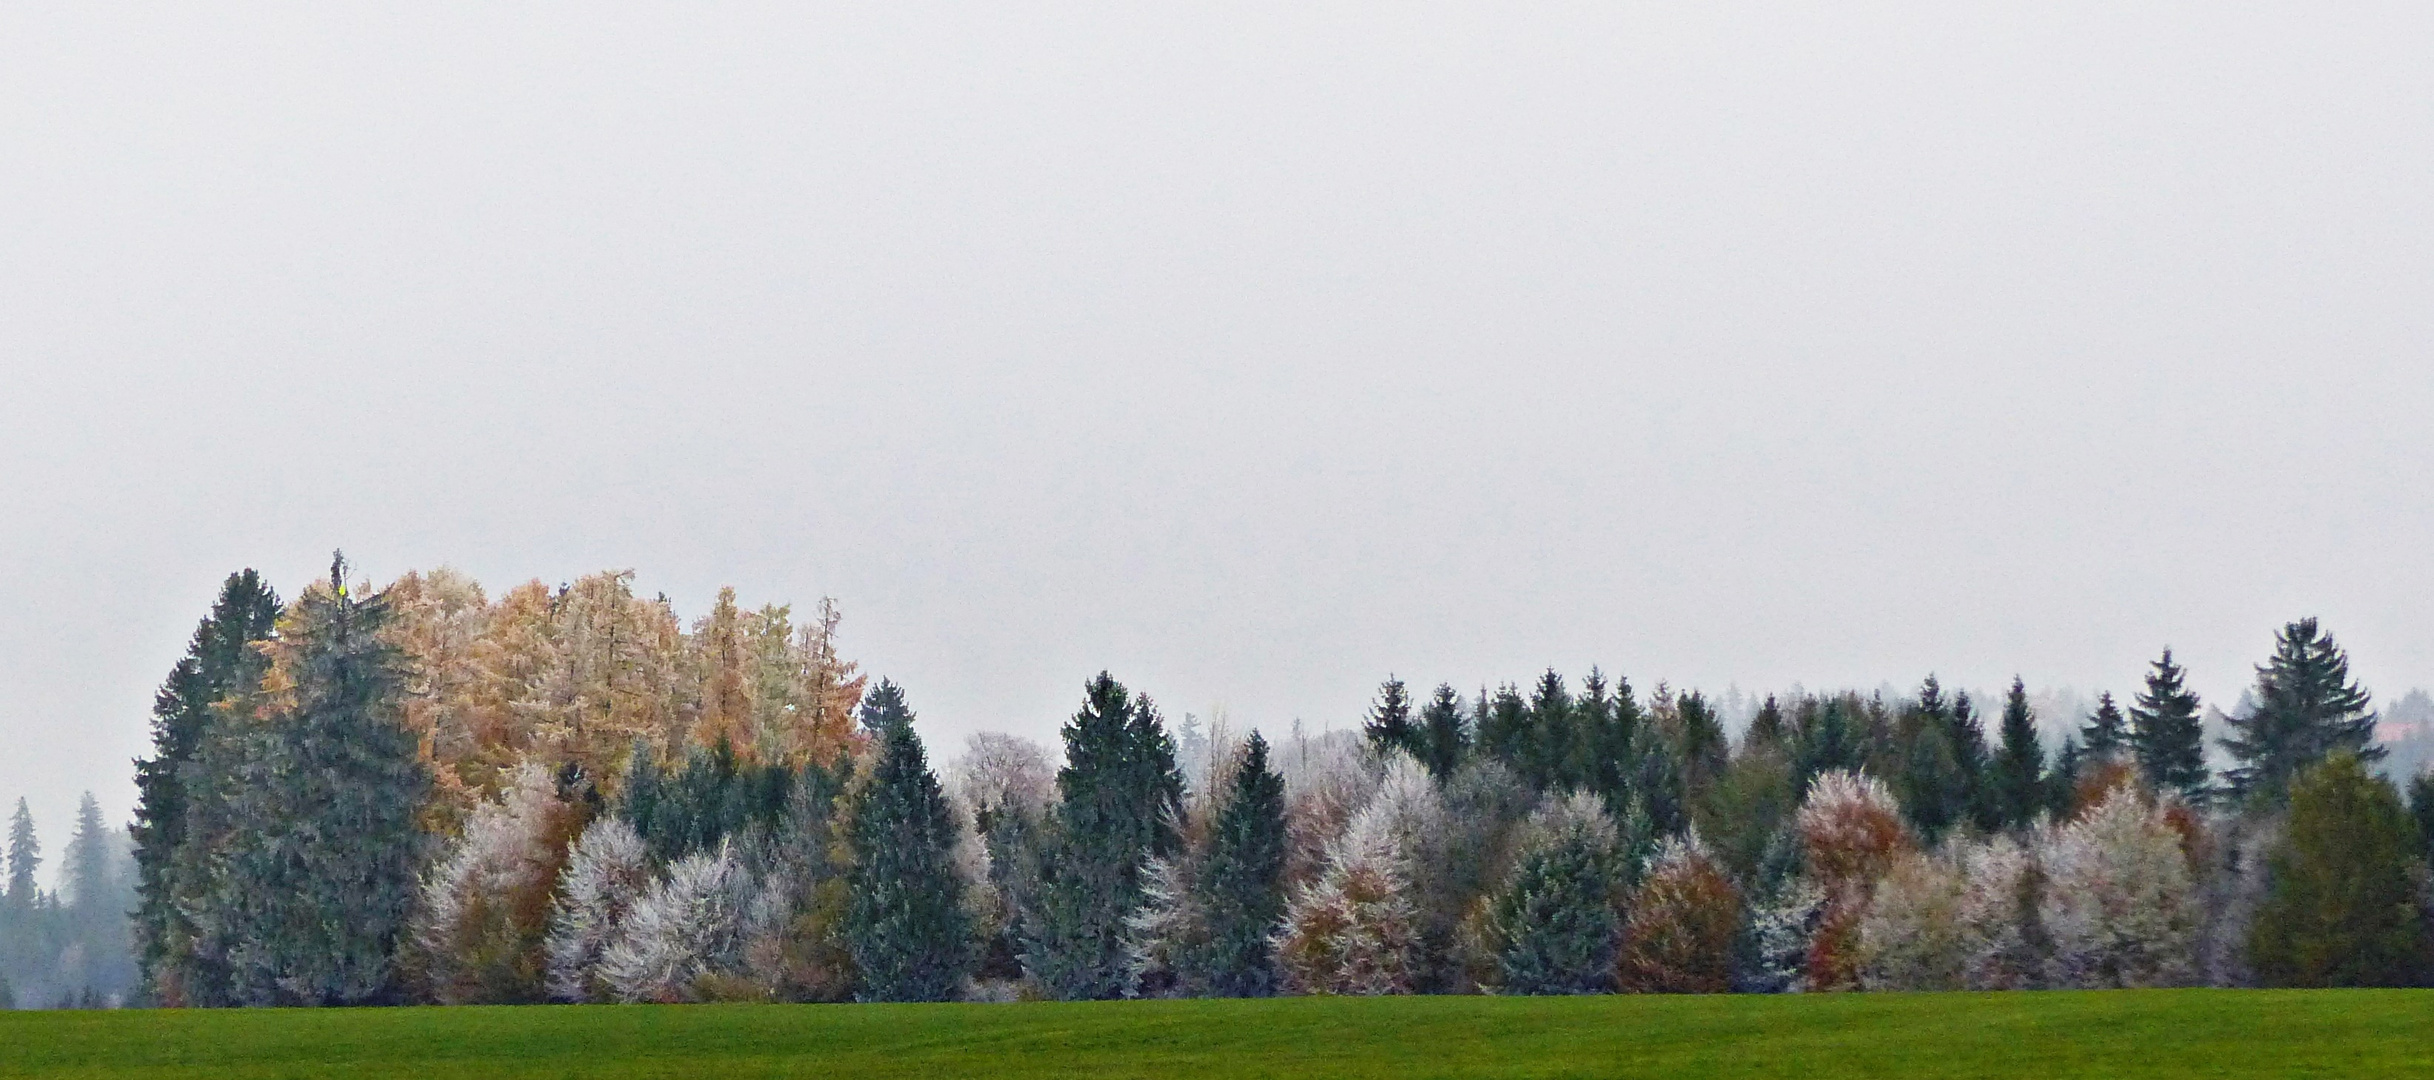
{"points": [[419, 793]]}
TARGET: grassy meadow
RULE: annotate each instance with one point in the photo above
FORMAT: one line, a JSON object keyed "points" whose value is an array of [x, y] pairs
{"points": [[2184, 1033]]}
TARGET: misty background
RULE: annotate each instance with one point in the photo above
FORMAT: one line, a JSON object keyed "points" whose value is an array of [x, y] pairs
{"points": [[1253, 352]]}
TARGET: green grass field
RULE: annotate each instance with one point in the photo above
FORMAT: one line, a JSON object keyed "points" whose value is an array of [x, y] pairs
{"points": [[2140, 1034]]}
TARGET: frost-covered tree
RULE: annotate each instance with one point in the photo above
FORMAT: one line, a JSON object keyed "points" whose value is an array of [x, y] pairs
{"points": [[323, 872], [2345, 907], [177, 800], [910, 934], [1851, 832], [1352, 930], [1557, 916], [606, 872], [482, 928], [1458, 859], [2119, 901], [684, 939], [1684, 915]]}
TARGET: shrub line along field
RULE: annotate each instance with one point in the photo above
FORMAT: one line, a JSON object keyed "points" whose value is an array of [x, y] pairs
{"points": [[2164, 1033]]}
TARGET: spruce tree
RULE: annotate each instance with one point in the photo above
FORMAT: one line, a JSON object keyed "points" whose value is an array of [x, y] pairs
{"points": [[324, 870], [1934, 793], [2343, 906], [1550, 747], [2105, 736], [2421, 810], [2166, 732], [1120, 799], [1242, 882], [1968, 738], [2019, 769], [905, 920], [24, 858], [1389, 727], [1503, 727], [1557, 914], [176, 791], [1444, 738], [2307, 708]]}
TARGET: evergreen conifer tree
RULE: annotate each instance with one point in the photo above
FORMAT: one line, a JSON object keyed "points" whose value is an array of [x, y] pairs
{"points": [[2421, 810], [1389, 727], [2307, 708], [2105, 736], [323, 874], [24, 858], [2062, 785], [905, 920], [1557, 914], [2166, 732], [1934, 793], [173, 825], [1120, 799], [1552, 743], [1242, 882], [1968, 737], [1503, 727], [2019, 770], [1444, 738], [2343, 910]]}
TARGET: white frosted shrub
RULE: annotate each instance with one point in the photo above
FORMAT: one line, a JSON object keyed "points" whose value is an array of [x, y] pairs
{"points": [[485, 905], [2119, 902], [1352, 931], [606, 873], [690, 926]]}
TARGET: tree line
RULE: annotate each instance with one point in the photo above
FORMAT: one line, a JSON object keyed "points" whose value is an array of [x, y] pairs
{"points": [[416, 793]]}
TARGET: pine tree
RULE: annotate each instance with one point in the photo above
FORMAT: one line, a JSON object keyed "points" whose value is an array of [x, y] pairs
{"points": [[178, 799], [24, 858], [1242, 883], [2307, 709], [2019, 769], [2105, 735], [323, 874], [906, 922], [1389, 727], [2343, 910], [1121, 797], [2167, 734], [1934, 793], [1444, 738], [2421, 810]]}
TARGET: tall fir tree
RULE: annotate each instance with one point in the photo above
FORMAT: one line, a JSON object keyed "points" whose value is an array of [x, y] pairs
{"points": [[1968, 736], [1551, 746], [1444, 736], [2306, 709], [1389, 727], [1503, 727], [1934, 793], [905, 920], [1121, 798], [1242, 883], [24, 858], [317, 888], [2106, 735], [176, 788], [2421, 810], [1557, 915], [2167, 734], [2019, 768]]}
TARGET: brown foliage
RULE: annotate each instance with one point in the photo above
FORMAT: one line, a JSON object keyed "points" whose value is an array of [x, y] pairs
{"points": [[1679, 938]]}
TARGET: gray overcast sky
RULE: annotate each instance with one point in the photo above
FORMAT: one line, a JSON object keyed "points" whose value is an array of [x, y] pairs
{"points": [[1252, 351]]}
